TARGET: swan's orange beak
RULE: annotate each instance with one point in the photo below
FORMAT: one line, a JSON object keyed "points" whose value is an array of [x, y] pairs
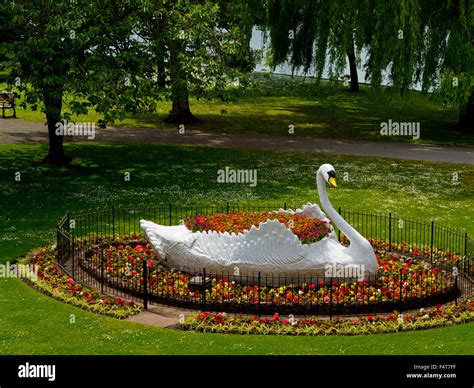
{"points": [[332, 181]]}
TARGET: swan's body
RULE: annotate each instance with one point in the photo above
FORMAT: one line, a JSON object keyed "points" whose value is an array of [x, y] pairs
{"points": [[270, 248]]}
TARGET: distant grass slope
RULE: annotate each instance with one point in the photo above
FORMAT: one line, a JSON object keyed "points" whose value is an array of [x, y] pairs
{"points": [[185, 175], [321, 110]]}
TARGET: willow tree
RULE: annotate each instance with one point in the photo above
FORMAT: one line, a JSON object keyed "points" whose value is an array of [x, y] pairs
{"points": [[75, 49], [427, 42], [315, 33], [408, 42]]}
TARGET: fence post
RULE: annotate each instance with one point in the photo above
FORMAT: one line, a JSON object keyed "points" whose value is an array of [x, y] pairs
{"points": [[284, 206], [58, 243], [465, 245], [102, 271], [338, 230], [170, 212], [203, 289], [456, 287], [390, 232], [145, 285], [432, 242], [400, 299], [73, 260], [330, 300], [259, 284], [113, 222]]}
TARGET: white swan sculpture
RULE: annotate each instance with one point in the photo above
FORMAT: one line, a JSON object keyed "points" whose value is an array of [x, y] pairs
{"points": [[271, 248]]}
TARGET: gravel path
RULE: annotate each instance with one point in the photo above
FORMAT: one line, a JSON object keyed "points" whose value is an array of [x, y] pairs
{"points": [[23, 132]]}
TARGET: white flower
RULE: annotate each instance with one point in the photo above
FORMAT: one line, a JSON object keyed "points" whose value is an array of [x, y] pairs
{"points": [[400, 318], [426, 316]]}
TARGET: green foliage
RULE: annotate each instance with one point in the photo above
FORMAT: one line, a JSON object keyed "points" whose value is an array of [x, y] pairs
{"points": [[409, 41]]}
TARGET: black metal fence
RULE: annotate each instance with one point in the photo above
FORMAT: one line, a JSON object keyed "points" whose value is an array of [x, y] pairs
{"points": [[83, 241]]}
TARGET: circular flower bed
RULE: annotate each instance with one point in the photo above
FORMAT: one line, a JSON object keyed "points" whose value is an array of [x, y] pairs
{"points": [[402, 281], [54, 282], [309, 230], [422, 319]]}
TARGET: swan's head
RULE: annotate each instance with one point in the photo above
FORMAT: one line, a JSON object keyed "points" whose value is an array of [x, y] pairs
{"points": [[329, 174]]}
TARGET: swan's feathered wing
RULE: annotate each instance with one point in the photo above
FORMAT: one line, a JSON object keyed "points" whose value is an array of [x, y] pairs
{"points": [[269, 246], [311, 210]]}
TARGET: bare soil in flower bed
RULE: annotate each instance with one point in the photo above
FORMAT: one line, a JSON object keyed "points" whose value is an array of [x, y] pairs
{"points": [[124, 263]]}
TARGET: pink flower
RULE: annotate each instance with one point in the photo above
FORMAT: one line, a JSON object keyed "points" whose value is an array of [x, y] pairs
{"points": [[311, 286], [326, 299], [70, 281]]}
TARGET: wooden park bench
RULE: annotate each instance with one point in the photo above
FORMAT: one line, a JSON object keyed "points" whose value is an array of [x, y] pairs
{"points": [[7, 101]]}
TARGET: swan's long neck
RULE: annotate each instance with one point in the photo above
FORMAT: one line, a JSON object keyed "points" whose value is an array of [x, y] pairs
{"points": [[340, 222]]}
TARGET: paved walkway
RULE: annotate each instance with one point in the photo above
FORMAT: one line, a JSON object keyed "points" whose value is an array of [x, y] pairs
{"points": [[22, 132]]}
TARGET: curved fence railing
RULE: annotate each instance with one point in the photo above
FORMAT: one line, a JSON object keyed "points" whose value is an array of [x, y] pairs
{"points": [[83, 238]]}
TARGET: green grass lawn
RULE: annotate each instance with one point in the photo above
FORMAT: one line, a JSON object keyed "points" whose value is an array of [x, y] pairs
{"points": [[321, 110], [29, 209]]}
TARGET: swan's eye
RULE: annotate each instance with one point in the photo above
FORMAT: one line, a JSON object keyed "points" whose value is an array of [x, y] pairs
{"points": [[332, 174]]}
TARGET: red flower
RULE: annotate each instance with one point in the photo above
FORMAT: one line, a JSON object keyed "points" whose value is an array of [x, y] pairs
{"points": [[138, 249], [70, 281]]}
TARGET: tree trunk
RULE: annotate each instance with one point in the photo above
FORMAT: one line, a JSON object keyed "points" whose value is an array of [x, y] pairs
{"points": [[180, 112], [466, 115], [353, 69], [53, 106], [161, 73], [161, 66]]}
